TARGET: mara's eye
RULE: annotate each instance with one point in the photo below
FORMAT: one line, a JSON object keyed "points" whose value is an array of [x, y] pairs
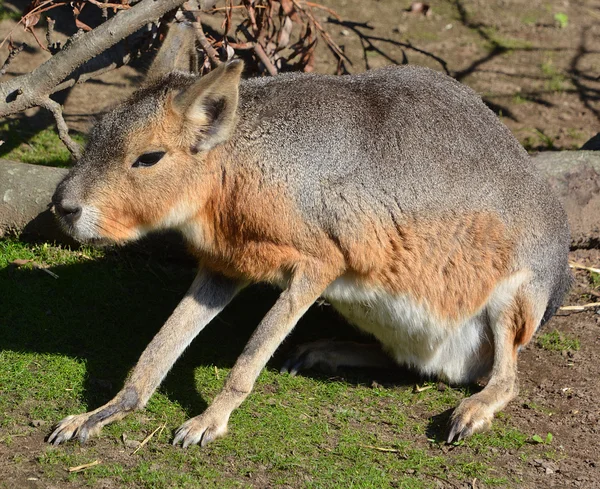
{"points": [[148, 159]]}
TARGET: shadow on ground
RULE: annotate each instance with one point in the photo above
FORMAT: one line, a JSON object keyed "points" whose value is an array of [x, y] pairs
{"points": [[106, 311]]}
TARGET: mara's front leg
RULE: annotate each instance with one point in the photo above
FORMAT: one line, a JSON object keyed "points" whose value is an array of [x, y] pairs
{"points": [[305, 287], [208, 295]]}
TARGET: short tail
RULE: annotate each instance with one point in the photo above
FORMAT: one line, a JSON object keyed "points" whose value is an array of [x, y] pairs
{"points": [[561, 287]]}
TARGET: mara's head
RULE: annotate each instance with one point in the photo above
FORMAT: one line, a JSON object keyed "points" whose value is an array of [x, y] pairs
{"points": [[149, 163]]}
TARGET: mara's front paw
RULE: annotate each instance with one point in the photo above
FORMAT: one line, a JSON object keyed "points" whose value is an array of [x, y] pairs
{"points": [[470, 417], [79, 426], [202, 429]]}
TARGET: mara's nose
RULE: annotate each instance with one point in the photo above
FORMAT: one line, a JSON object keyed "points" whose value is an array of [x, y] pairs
{"points": [[67, 210]]}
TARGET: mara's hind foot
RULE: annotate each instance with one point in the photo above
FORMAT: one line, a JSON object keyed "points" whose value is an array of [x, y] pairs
{"points": [[474, 415], [513, 325], [329, 355]]}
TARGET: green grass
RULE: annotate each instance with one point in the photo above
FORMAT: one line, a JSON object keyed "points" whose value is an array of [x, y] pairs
{"points": [[556, 341], [555, 80], [595, 279], [496, 42], [8, 13], [68, 343], [38, 147], [537, 140]]}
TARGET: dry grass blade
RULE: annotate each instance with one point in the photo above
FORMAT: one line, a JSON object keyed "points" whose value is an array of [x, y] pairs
{"points": [[384, 449], [581, 308], [149, 437], [578, 266], [79, 468]]}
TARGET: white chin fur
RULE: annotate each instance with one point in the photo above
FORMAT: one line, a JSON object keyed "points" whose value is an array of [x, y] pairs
{"points": [[86, 229]]}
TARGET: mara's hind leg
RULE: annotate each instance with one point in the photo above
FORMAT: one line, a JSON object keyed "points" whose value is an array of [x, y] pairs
{"points": [[328, 355], [512, 327]]}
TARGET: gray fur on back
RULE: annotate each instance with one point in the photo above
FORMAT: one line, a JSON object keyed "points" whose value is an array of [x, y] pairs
{"points": [[402, 142]]}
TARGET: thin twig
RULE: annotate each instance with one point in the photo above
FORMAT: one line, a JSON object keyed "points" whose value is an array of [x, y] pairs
{"points": [[52, 47], [260, 52], [37, 10], [383, 449], [578, 266], [582, 308], [147, 439], [79, 468], [61, 125], [116, 6], [44, 269], [440, 479], [210, 51], [323, 7], [12, 55], [322, 32]]}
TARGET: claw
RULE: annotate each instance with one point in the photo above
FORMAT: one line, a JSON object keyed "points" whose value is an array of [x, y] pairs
{"points": [[296, 368], [202, 429], [471, 416], [451, 435], [285, 367]]}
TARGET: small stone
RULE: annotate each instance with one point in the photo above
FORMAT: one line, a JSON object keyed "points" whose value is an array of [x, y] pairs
{"points": [[410, 471], [345, 32], [132, 443], [549, 467], [36, 423], [441, 387]]}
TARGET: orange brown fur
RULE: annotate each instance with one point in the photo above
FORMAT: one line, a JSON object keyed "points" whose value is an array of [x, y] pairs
{"points": [[451, 263], [522, 320], [121, 211], [254, 231]]}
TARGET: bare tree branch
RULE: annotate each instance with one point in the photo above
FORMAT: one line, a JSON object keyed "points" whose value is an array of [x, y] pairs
{"points": [[32, 89], [12, 55], [111, 59], [205, 45], [267, 26], [192, 15], [61, 125], [53, 47], [260, 52]]}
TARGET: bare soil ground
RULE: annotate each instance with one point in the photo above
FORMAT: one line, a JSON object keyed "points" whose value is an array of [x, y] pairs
{"points": [[543, 79]]}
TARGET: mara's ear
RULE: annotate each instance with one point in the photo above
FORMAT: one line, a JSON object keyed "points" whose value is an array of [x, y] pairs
{"points": [[209, 105], [178, 52]]}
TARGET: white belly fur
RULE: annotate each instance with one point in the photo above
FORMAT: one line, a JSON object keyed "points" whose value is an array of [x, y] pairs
{"points": [[414, 336]]}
